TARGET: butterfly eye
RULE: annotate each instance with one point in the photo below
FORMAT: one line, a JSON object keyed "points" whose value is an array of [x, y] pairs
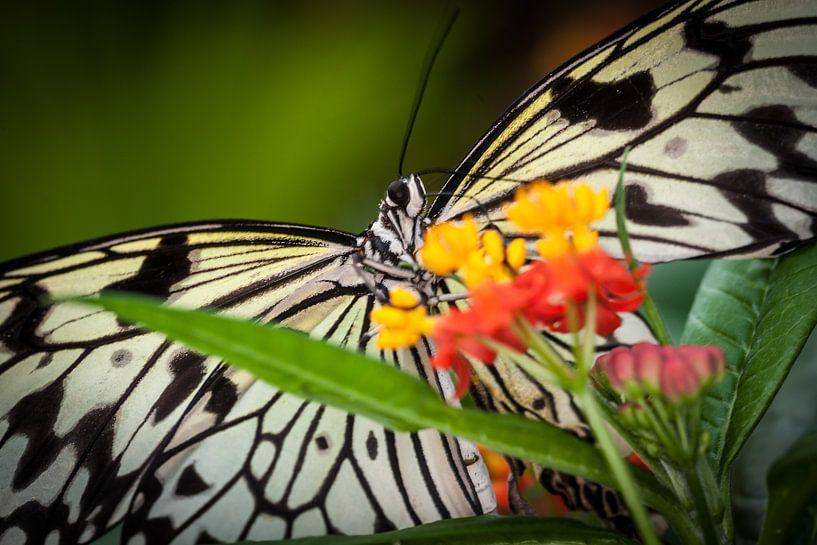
{"points": [[398, 193]]}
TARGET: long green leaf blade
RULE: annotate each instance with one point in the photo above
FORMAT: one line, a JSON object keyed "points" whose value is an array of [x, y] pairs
{"points": [[486, 530]]}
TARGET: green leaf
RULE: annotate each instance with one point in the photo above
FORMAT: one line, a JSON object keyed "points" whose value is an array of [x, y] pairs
{"points": [[792, 482], [761, 313], [486, 530], [317, 371]]}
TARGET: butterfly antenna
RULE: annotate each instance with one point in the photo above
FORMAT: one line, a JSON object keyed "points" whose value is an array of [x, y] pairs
{"points": [[452, 172], [431, 57], [482, 208]]}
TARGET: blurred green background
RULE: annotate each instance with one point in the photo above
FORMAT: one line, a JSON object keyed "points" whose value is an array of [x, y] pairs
{"points": [[117, 116]]}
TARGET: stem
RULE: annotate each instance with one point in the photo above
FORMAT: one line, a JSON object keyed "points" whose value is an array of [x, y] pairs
{"points": [[658, 428], [617, 466], [701, 507], [650, 310], [588, 348], [530, 365], [655, 320], [552, 360], [631, 437], [573, 324]]}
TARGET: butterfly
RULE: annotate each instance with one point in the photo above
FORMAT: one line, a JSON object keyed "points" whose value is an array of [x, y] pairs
{"points": [[103, 423]]}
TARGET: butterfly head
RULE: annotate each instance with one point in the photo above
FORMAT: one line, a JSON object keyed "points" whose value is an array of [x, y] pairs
{"points": [[406, 195]]}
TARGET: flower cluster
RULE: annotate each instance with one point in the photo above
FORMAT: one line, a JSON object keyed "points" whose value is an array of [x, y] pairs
{"points": [[550, 292], [677, 373], [460, 333], [513, 295], [662, 389], [561, 214], [458, 248]]}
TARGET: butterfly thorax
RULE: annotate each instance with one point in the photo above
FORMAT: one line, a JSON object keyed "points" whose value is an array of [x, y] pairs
{"points": [[390, 244]]}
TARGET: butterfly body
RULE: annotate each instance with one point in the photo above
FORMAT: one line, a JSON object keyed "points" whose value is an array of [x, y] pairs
{"points": [[102, 423]]}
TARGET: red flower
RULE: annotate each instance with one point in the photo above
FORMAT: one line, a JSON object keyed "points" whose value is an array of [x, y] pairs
{"points": [[492, 312], [551, 285], [675, 372]]}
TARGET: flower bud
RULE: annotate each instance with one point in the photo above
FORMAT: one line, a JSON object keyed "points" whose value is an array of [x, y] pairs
{"points": [[678, 378], [647, 358], [675, 372]]}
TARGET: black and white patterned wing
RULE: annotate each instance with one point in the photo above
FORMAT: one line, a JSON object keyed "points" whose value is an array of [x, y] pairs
{"points": [[718, 102], [101, 422]]}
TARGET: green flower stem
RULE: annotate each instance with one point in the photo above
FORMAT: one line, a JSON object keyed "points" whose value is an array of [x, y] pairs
{"points": [[528, 364], [664, 420], [650, 310], [611, 415], [617, 465], [687, 447], [654, 318], [552, 360], [658, 427], [573, 324], [701, 506], [584, 350], [588, 347]]}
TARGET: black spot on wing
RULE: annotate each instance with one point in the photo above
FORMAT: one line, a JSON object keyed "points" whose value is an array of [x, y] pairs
{"points": [[726, 88], [748, 192], [321, 442], [806, 72], [190, 482], [780, 138], [161, 269], [615, 106], [18, 332], [223, 397], [716, 38], [34, 416], [121, 357], [188, 371], [371, 446], [641, 211]]}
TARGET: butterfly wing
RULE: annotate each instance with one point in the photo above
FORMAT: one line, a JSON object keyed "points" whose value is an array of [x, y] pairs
{"points": [[717, 101], [103, 422]]}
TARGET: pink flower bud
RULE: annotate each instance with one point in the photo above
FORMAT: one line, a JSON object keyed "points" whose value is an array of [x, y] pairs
{"points": [[707, 361], [620, 368], [674, 372], [678, 378], [648, 365]]}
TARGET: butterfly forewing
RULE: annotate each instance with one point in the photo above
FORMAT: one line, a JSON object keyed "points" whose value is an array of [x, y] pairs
{"points": [[716, 101]]}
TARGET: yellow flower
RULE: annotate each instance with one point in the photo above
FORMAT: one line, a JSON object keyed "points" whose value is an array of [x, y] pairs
{"points": [[493, 261], [561, 214], [403, 321], [447, 246], [458, 247]]}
